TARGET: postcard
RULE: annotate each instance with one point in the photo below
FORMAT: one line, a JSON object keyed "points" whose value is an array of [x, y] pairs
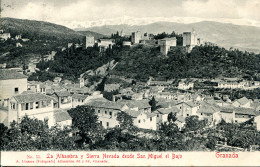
{"points": [[130, 83]]}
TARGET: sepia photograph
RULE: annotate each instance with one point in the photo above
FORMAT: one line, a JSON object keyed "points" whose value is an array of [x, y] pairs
{"points": [[129, 82]]}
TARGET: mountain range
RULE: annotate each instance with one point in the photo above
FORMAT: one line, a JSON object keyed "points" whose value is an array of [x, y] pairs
{"points": [[223, 34]]}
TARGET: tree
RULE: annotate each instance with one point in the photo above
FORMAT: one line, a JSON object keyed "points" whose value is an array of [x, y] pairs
{"points": [[3, 136], [192, 123], [86, 121], [153, 104], [172, 117], [125, 120], [170, 137]]}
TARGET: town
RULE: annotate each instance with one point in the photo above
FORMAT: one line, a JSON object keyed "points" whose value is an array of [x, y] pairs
{"points": [[150, 104]]}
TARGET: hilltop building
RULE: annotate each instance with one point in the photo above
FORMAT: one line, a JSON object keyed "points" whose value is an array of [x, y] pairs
{"points": [[3, 66], [17, 37], [147, 36], [190, 39], [166, 44], [5, 36], [103, 44], [136, 37], [89, 41], [126, 43]]}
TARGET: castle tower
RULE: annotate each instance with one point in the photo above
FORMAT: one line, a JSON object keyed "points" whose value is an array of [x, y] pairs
{"points": [[89, 41], [136, 37]]}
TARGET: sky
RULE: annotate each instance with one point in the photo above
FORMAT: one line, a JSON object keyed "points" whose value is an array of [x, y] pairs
{"points": [[87, 13]]}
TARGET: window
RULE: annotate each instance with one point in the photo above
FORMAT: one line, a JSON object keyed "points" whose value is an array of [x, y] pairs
{"points": [[139, 121], [82, 101], [16, 90], [31, 106], [105, 112], [110, 113], [48, 103], [107, 124], [37, 104], [187, 114], [99, 112], [44, 103], [151, 119], [201, 114], [26, 106], [13, 106], [100, 122], [157, 115]]}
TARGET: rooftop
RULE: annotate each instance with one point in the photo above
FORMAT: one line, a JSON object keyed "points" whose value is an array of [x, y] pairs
{"points": [[243, 101], [31, 97], [133, 113], [168, 110], [61, 115], [11, 74], [79, 96], [62, 93]]}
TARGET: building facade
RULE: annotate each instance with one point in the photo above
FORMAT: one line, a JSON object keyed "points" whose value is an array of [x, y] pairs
{"points": [[11, 83], [89, 41], [34, 105], [166, 44]]}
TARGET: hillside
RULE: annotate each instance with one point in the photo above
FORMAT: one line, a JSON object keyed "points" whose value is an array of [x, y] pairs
{"points": [[38, 29], [223, 34]]}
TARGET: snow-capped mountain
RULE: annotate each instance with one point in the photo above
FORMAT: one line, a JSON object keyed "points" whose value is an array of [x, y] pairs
{"points": [[148, 20]]}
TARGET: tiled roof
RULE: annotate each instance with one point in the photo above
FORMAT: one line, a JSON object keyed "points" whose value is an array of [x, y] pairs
{"points": [[61, 115], [189, 103], [31, 97], [79, 96], [168, 110], [150, 114], [33, 82], [141, 104], [70, 86], [133, 113], [243, 100], [167, 104], [27, 92], [208, 108], [42, 85], [11, 74], [62, 93], [106, 104], [245, 111]]}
